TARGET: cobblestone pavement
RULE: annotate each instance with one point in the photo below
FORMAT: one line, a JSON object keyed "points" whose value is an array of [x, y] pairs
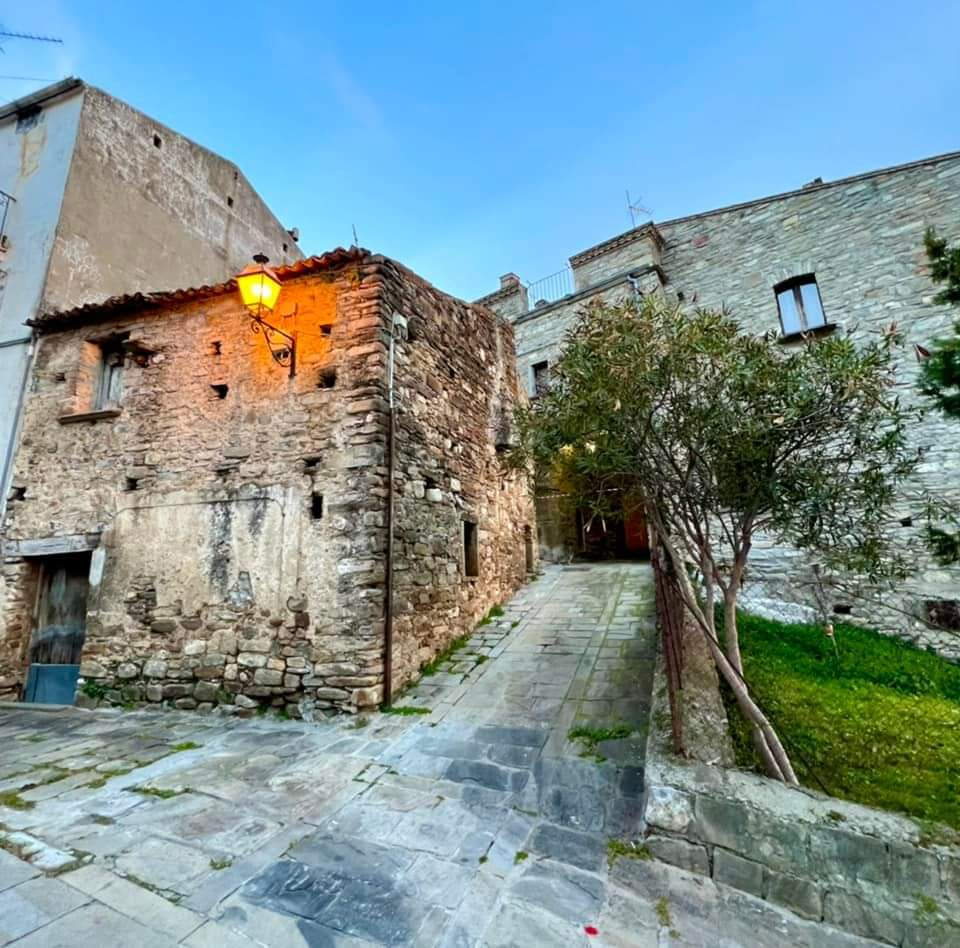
{"points": [[477, 823]]}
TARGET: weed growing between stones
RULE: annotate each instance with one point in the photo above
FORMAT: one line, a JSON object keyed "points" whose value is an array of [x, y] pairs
{"points": [[224, 863], [94, 690], [520, 857], [358, 723], [591, 737], [390, 709], [185, 746], [495, 613], [626, 848], [662, 908], [432, 667], [13, 800], [105, 776], [926, 910]]}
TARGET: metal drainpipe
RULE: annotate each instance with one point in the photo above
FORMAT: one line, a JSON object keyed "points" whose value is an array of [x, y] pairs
{"points": [[398, 327]]}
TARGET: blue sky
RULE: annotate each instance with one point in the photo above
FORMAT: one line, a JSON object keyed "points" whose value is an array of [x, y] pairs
{"points": [[469, 140]]}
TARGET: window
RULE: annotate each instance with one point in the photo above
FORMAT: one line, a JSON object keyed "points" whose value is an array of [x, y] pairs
{"points": [[316, 506], [541, 377], [801, 309], [471, 552], [109, 385]]}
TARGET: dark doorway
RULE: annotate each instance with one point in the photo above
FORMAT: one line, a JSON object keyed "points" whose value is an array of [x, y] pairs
{"points": [[617, 537], [58, 630]]}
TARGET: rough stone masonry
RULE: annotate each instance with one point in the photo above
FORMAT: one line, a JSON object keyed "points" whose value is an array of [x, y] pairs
{"points": [[235, 519]]}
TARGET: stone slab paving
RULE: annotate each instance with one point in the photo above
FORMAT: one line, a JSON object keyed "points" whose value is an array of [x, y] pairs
{"points": [[476, 822]]}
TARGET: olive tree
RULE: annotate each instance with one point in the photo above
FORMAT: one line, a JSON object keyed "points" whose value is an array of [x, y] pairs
{"points": [[722, 435]]}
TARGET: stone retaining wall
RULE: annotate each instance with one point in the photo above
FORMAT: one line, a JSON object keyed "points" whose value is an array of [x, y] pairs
{"points": [[869, 872]]}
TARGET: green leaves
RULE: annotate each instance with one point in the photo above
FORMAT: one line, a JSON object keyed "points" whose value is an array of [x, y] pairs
{"points": [[702, 422]]}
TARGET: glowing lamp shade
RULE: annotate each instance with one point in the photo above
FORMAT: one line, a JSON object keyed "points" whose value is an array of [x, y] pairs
{"points": [[259, 287]]}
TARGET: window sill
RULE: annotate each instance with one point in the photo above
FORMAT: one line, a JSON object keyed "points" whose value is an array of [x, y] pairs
{"points": [[814, 333], [100, 415]]}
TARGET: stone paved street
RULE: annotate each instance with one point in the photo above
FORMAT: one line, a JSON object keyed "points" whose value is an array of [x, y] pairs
{"points": [[477, 823]]}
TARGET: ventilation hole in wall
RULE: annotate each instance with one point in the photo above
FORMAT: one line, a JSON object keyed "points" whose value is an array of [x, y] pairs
{"points": [[229, 202], [217, 347], [221, 390], [429, 483], [326, 330], [311, 463], [842, 609], [18, 493], [284, 248], [132, 483], [681, 296], [60, 377], [328, 378], [316, 507], [906, 522], [236, 176], [157, 141], [451, 371]]}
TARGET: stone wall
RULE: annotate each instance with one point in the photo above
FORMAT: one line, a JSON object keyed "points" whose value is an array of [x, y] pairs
{"points": [[862, 237], [239, 514], [456, 391], [869, 872]]}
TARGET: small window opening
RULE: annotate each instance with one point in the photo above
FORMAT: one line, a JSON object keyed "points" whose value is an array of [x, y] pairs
{"points": [[221, 390], [541, 377], [109, 385], [906, 522], [18, 493], [316, 506], [217, 347], [471, 552], [681, 296], [284, 248], [328, 378], [311, 463], [229, 202], [132, 483], [842, 609], [326, 330], [60, 377], [800, 306], [429, 483], [157, 141]]}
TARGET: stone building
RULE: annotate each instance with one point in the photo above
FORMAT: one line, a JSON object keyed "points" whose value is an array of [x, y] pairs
{"points": [[841, 255], [219, 530], [98, 199]]}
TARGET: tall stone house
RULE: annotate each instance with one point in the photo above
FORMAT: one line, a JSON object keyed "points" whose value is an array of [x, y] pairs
{"points": [[195, 522], [98, 199], [843, 255]]}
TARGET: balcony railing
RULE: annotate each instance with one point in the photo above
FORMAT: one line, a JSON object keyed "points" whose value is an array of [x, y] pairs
{"points": [[550, 288]]}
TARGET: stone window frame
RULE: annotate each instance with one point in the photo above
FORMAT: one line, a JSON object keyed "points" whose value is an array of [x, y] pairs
{"points": [[539, 377], [794, 286]]}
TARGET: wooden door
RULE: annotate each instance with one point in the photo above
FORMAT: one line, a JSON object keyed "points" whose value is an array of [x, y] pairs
{"points": [[59, 629]]}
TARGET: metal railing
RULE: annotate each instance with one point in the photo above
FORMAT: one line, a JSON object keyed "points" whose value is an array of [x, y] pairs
{"points": [[5, 201], [551, 288]]}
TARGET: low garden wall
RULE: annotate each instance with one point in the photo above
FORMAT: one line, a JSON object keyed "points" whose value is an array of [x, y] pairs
{"points": [[866, 871]]}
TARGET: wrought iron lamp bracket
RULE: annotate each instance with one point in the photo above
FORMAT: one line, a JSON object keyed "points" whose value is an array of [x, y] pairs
{"points": [[285, 355]]}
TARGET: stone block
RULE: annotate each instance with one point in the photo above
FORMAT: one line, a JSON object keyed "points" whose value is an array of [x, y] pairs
{"points": [[877, 919], [331, 694], [914, 870], [177, 691], [205, 691], [185, 704], [251, 660], [196, 647], [583, 850], [242, 701], [841, 855], [154, 692], [256, 645], [127, 670], [668, 809], [734, 870], [90, 669], [678, 852], [799, 895], [268, 676], [154, 668], [723, 823], [163, 626], [364, 697]]}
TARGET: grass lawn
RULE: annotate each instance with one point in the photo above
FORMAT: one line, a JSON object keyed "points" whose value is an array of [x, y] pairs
{"points": [[879, 725]]}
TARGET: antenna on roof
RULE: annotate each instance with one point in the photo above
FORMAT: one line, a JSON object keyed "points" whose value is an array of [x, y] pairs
{"points": [[35, 37], [634, 209], [356, 243]]}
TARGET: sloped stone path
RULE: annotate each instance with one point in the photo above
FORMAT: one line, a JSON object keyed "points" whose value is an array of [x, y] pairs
{"points": [[477, 823]]}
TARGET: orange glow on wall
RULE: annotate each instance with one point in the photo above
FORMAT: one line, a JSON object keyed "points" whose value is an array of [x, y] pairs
{"points": [[259, 287]]}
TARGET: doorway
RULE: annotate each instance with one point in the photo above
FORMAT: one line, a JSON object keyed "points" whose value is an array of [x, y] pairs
{"points": [[59, 628]]}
